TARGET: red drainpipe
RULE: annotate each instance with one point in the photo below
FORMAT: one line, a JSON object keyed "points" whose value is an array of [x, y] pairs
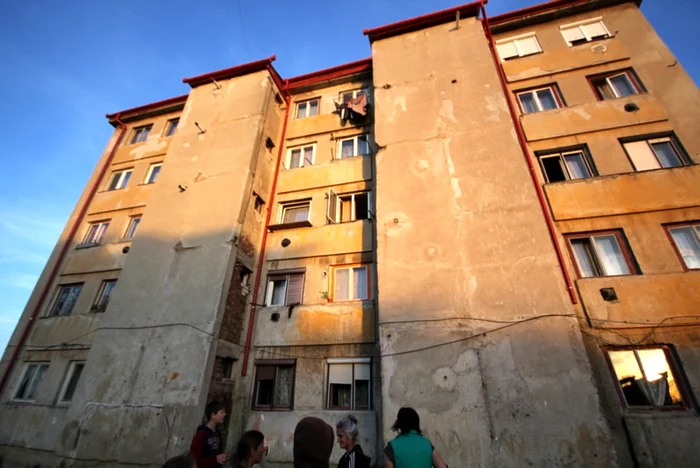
{"points": [[528, 158], [261, 257], [61, 256]]}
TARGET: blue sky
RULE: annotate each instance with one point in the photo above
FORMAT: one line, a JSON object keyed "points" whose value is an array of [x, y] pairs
{"points": [[66, 63]]}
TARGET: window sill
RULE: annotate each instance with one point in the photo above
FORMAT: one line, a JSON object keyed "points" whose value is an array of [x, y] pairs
{"points": [[629, 96], [86, 246], [522, 56], [345, 301], [596, 39], [275, 410], [610, 276], [660, 412], [124, 241], [284, 226], [14, 402], [144, 184]]}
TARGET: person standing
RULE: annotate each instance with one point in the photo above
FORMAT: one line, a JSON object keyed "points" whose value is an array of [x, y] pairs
{"points": [[206, 444], [410, 449], [313, 443], [347, 433], [251, 447]]}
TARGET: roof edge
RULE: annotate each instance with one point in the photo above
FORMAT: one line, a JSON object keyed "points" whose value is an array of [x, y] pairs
{"points": [[331, 73], [238, 70], [149, 107], [542, 8], [424, 21]]}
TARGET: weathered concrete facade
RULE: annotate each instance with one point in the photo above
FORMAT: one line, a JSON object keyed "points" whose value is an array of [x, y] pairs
{"points": [[469, 223]]}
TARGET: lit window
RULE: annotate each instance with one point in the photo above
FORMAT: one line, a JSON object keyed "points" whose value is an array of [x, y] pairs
{"points": [[133, 225], [284, 288], [687, 242], [103, 296], [537, 100], [171, 126], [350, 283], [655, 153], [119, 179], [307, 108], [603, 254], [647, 377], [584, 31], [153, 172], [141, 134], [349, 384], [300, 157], [347, 207], [518, 46], [616, 85], [71, 383], [566, 165], [274, 385], [31, 378], [95, 233], [355, 146], [65, 299]]}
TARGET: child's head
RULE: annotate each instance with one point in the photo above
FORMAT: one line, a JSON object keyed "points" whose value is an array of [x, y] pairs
{"points": [[215, 411], [181, 461]]}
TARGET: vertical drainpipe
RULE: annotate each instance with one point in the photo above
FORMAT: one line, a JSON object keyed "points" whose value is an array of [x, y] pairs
{"points": [[62, 255], [528, 159]]}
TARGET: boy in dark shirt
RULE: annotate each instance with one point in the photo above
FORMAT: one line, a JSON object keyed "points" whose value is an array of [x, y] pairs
{"points": [[206, 444]]}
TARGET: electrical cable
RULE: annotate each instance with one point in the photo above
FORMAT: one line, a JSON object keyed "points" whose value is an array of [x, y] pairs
{"points": [[245, 38]]}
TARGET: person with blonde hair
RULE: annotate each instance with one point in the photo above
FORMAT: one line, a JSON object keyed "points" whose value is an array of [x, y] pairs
{"points": [[347, 433]]}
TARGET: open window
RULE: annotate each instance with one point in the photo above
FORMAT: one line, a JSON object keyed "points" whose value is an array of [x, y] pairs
{"points": [[572, 164], [274, 385], [349, 384], [347, 207], [616, 84], [285, 287]]}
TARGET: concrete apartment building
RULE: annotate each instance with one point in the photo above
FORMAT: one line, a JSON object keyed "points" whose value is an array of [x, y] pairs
{"points": [[493, 220]]}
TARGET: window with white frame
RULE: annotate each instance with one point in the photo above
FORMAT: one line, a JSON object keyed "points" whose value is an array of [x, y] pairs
{"points": [[349, 384], [31, 378], [616, 85], [134, 222], [655, 153], [95, 233], [103, 295], [518, 46], [71, 383], [295, 212], [353, 146], [347, 207], [119, 179], [308, 108], [601, 254], [584, 31], [686, 239], [66, 298], [152, 173], [566, 165], [284, 288], [301, 156], [539, 99], [171, 126], [140, 134], [346, 96], [350, 283]]}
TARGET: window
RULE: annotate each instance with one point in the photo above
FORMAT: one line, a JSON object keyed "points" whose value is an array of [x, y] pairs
{"points": [[616, 85], [259, 203], [518, 46], [307, 108], [347, 96], [349, 384], [95, 233], [686, 240], [274, 385], [566, 165], [103, 296], [66, 299], [603, 254], [300, 157], [537, 100], [295, 212], [71, 383], [133, 225], [119, 179], [153, 172], [584, 31], [227, 367], [141, 134], [647, 377], [350, 283], [171, 126], [355, 146], [655, 153], [285, 287], [347, 207], [31, 378]]}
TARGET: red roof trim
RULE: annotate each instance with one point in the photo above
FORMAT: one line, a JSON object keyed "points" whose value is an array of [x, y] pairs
{"points": [[539, 9], [232, 72], [330, 73], [149, 107], [422, 22]]}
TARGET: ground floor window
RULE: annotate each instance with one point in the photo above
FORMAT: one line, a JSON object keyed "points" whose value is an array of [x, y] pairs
{"points": [[349, 383], [274, 385]]}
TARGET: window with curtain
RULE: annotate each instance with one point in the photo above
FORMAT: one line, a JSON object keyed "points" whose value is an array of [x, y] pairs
{"points": [[295, 212], [354, 146], [601, 254], [686, 240], [567, 165], [655, 153], [300, 157], [351, 283], [616, 84], [349, 384], [518, 46], [274, 385], [308, 108]]}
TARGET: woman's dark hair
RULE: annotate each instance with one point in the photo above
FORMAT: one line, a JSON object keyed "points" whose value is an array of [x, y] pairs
{"points": [[406, 421], [248, 441], [181, 461]]}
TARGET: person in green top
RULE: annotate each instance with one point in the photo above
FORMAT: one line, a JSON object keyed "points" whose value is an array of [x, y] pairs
{"points": [[410, 449]]}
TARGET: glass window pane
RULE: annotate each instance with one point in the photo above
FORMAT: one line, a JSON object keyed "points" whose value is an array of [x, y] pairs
{"points": [[629, 375], [581, 248], [155, 170], [576, 165], [36, 381], [362, 145], [24, 383], [125, 179], [666, 154], [360, 282], [528, 102], [547, 100], [610, 255], [295, 160], [301, 110], [279, 289], [347, 149], [341, 396], [623, 86], [73, 382], [283, 390], [295, 214], [604, 89], [361, 394], [342, 284], [114, 181], [308, 156], [313, 108], [265, 391], [688, 245], [660, 386]]}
